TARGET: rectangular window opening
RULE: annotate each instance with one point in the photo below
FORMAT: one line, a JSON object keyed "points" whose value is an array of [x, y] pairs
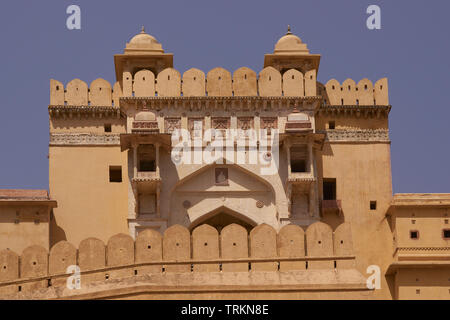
{"points": [[373, 205], [446, 234], [299, 156], [331, 125], [329, 189], [115, 174], [108, 127], [414, 234]]}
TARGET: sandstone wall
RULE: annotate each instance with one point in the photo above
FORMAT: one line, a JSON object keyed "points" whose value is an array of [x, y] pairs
{"points": [[179, 251]]}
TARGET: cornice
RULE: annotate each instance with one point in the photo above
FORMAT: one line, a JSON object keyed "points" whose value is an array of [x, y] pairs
{"points": [[79, 112], [354, 110], [223, 102]]}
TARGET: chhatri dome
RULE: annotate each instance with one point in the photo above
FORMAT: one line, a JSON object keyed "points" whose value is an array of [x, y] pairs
{"points": [[290, 43], [143, 43]]}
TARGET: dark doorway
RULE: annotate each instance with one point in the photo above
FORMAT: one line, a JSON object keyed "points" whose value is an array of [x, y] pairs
{"points": [[329, 189]]}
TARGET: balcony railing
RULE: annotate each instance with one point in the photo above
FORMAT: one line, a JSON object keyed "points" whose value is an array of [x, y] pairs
{"points": [[331, 206], [147, 176], [301, 177]]}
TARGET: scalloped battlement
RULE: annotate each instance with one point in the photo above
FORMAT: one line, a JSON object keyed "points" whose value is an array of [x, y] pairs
{"points": [[218, 82], [180, 251]]}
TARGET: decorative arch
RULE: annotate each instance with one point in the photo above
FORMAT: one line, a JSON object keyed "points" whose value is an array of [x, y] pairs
{"points": [[223, 216], [222, 160]]}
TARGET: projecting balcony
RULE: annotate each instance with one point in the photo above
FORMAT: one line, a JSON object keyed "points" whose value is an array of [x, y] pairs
{"points": [[145, 127], [147, 177], [331, 206], [301, 178]]}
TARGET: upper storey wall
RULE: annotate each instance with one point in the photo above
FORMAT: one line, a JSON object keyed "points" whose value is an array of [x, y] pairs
{"points": [[219, 82]]}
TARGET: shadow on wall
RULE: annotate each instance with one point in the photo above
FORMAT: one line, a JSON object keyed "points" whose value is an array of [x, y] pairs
{"points": [[57, 234]]}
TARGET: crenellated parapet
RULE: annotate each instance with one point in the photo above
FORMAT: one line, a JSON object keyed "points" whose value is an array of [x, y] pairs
{"points": [[350, 93], [180, 251], [77, 93], [218, 82]]}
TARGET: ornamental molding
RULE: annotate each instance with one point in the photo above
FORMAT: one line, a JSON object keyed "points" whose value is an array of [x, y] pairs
{"points": [[357, 111], [361, 135], [230, 103], [81, 112], [423, 249], [84, 139]]}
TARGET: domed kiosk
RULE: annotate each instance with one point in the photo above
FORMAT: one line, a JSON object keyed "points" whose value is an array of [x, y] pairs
{"points": [[143, 51], [291, 53]]}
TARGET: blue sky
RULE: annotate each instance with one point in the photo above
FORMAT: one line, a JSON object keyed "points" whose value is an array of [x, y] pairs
{"points": [[411, 49]]}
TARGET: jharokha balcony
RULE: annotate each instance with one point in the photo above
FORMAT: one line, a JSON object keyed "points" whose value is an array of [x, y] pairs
{"points": [[328, 206]]}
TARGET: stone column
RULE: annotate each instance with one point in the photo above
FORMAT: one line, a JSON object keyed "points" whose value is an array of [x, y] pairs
{"points": [[312, 199], [288, 155], [135, 168], [311, 158], [158, 192], [157, 158]]}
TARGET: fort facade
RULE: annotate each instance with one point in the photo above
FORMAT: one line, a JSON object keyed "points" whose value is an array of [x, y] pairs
{"points": [[297, 205]]}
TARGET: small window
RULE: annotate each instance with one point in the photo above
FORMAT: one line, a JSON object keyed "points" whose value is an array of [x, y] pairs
{"points": [[329, 189], [373, 205], [414, 234], [446, 234], [108, 127], [331, 125], [115, 174]]}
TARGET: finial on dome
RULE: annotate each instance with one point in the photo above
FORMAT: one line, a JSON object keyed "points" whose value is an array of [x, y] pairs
{"points": [[289, 30], [142, 29]]}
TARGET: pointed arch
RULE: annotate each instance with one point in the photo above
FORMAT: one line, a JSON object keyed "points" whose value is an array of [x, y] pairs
{"points": [[223, 216]]}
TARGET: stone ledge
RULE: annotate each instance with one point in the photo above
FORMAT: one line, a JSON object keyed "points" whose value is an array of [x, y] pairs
{"points": [[210, 282]]}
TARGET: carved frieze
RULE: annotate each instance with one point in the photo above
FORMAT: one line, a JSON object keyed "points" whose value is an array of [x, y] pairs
{"points": [[372, 135], [221, 123], [81, 139], [245, 123], [172, 124], [269, 123], [145, 126]]}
